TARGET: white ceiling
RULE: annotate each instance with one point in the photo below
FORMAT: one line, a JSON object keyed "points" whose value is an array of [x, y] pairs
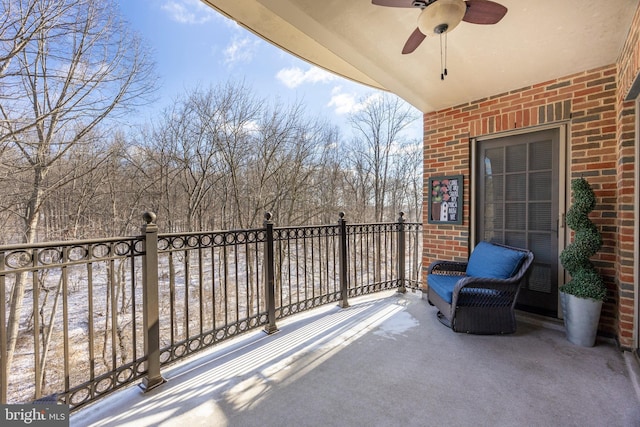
{"points": [[537, 40]]}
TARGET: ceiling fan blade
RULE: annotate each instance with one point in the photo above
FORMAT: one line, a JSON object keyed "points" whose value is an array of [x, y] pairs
{"points": [[484, 12], [393, 3], [413, 42]]}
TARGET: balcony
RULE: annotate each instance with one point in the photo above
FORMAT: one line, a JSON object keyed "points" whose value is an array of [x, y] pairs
{"points": [[284, 326], [383, 361], [100, 315]]}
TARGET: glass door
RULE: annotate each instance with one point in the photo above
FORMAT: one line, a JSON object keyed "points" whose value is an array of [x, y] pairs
{"points": [[518, 205]]}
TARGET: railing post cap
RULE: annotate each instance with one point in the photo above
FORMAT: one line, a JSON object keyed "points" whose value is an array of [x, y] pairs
{"points": [[268, 216], [149, 217], [341, 215]]}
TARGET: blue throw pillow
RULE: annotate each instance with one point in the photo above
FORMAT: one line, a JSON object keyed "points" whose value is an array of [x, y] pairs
{"points": [[495, 262]]}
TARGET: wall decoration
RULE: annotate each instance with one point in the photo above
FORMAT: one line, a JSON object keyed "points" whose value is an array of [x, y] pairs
{"points": [[445, 199]]}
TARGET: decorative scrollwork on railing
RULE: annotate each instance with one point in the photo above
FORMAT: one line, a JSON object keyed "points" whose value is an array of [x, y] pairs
{"points": [[173, 242], [180, 350], [50, 256], [77, 253], [18, 259], [412, 226], [37, 257], [308, 304], [372, 228], [373, 287], [288, 233], [101, 250], [104, 384], [122, 248]]}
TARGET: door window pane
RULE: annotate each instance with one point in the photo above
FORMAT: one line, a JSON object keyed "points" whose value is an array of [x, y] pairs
{"points": [[494, 161], [540, 155], [540, 279], [493, 188], [494, 216], [515, 216], [516, 187], [515, 239], [516, 158], [540, 186], [541, 245], [540, 216]]}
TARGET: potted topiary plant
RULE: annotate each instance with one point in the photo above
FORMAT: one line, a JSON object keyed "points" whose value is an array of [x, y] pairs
{"points": [[582, 297]]}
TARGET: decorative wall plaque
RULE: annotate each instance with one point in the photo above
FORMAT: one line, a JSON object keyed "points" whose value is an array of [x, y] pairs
{"points": [[445, 199]]}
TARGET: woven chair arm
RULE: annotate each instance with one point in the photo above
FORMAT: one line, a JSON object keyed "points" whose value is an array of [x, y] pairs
{"points": [[485, 283], [448, 267], [480, 290]]}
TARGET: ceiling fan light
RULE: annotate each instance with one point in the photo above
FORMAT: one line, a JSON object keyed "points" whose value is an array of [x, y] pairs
{"points": [[441, 16]]}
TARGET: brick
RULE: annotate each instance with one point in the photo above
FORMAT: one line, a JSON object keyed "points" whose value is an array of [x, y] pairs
{"points": [[602, 149]]}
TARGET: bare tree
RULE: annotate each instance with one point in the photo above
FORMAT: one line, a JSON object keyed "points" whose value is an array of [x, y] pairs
{"points": [[131, 187], [74, 64], [66, 212], [189, 154], [287, 150], [105, 193], [234, 119], [406, 182], [378, 139], [378, 145], [316, 177], [222, 156], [21, 23]]}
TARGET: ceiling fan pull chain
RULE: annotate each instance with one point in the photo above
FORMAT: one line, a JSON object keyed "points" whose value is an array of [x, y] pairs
{"points": [[445, 52], [441, 60], [443, 57]]}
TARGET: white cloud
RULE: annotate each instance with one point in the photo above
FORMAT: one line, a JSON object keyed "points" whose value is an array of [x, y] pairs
{"points": [[343, 103], [240, 50], [348, 103], [188, 11], [251, 126], [296, 76]]}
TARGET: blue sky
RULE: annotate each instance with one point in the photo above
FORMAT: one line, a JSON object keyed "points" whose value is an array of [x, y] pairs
{"points": [[196, 46]]}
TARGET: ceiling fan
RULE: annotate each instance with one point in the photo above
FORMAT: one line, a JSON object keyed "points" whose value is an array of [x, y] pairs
{"points": [[442, 16]]}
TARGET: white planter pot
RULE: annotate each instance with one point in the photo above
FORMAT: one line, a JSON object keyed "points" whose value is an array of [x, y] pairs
{"points": [[581, 318]]}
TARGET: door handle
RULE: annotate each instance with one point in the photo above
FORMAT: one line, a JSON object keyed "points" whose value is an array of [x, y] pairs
{"points": [[560, 223]]}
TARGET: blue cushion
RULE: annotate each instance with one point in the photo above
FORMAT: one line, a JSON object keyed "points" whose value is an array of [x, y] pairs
{"points": [[495, 262], [443, 285]]}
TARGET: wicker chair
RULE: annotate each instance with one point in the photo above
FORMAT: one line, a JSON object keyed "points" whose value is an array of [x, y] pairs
{"points": [[479, 296]]}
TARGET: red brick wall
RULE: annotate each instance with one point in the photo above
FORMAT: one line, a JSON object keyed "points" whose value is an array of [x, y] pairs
{"points": [[587, 102], [626, 229], [628, 70]]}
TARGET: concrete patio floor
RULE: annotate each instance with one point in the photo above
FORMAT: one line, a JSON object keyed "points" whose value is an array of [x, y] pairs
{"points": [[386, 361]]}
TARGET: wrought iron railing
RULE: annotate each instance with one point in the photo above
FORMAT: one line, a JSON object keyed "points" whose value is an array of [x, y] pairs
{"points": [[98, 315]]}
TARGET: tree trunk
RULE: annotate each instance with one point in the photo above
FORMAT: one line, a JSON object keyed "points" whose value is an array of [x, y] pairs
{"points": [[17, 295]]}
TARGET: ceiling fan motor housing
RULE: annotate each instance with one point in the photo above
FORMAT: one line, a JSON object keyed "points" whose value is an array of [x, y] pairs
{"points": [[441, 16]]}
